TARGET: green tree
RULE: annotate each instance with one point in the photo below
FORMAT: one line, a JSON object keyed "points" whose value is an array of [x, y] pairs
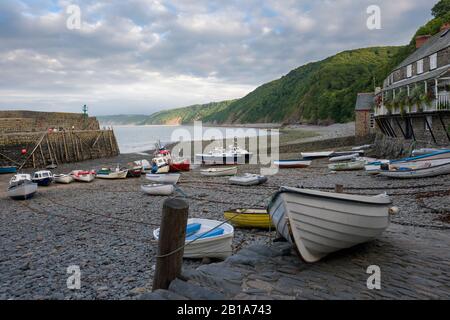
{"points": [[441, 8]]}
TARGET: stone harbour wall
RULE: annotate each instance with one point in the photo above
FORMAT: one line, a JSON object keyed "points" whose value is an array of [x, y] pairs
{"points": [[44, 148], [34, 121]]}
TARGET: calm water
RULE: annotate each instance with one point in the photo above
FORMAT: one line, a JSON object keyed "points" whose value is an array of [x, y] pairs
{"points": [[135, 139]]}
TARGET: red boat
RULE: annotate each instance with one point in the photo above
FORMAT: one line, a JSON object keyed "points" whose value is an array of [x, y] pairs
{"points": [[183, 165]]}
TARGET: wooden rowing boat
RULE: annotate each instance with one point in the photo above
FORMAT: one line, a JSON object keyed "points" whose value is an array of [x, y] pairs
{"points": [[418, 171], [320, 223], [248, 179], [347, 166]]}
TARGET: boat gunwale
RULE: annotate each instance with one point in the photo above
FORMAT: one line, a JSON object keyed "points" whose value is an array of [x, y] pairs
{"points": [[334, 196]]}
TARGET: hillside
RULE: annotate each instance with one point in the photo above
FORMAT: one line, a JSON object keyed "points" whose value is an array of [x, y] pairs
{"points": [[187, 114], [323, 91], [319, 91], [122, 119]]}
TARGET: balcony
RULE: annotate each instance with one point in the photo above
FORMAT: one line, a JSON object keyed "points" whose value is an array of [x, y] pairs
{"points": [[441, 103]]}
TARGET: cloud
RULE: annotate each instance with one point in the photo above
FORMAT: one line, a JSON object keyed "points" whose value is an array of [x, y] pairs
{"points": [[141, 56]]}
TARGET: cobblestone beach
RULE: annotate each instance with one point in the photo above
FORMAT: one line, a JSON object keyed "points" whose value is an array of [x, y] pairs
{"points": [[105, 227]]}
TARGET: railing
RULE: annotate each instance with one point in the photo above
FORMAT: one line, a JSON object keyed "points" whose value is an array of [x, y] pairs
{"points": [[442, 102]]}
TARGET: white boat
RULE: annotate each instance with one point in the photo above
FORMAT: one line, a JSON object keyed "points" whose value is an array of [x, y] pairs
{"points": [[347, 166], [144, 165], [160, 164], [292, 163], [117, 173], [219, 172], [166, 178], [375, 167], [82, 176], [363, 147], [314, 155], [22, 189], [158, 189], [418, 171], [344, 157], [320, 223], [248, 179], [63, 178], [211, 239], [425, 151], [233, 155], [19, 177], [346, 153]]}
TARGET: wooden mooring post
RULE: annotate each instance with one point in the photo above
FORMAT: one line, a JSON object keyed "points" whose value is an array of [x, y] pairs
{"points": [[171, 241]]}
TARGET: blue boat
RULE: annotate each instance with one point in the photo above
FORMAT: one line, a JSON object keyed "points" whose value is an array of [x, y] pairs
{"points": [[8, 169], [42, 178], [431, 156], [207, 234]]}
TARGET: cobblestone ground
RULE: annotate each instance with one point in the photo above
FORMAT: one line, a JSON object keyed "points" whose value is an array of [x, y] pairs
{"points": [[106, 228]]}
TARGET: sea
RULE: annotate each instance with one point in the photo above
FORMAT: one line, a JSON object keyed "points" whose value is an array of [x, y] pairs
{"points": [[139, 139]]}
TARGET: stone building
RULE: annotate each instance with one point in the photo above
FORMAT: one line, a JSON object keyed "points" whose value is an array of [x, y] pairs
{"points": [[364, 121], [414, 103]]}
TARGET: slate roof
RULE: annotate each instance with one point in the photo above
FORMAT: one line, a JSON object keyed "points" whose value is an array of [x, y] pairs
{"points": [[364, 102], [436, 43], [429, 75]]}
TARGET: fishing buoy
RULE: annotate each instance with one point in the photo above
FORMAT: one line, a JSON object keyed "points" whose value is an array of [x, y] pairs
{"points": [[24, 151]]}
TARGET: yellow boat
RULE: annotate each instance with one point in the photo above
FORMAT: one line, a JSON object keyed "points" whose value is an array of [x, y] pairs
{"points": [[249, 218]]}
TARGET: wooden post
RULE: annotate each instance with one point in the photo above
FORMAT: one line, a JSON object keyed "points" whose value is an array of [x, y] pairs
{"points": [[171, 237], [339, 188], [65, 147]]}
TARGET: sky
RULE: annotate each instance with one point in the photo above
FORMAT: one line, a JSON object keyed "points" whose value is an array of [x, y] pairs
{"points": [[142, 56]]}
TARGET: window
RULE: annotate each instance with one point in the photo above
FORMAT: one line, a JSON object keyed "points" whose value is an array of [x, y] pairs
{"points": [[433, 61], [420, 66], [409, 71], [429, 119]]}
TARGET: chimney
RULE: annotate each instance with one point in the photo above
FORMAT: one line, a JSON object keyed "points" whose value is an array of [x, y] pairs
{"points": [[445, 26], [420, 40]]}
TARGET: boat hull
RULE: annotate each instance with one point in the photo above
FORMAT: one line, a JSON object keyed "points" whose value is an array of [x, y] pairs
{"points": [[84, 178], [251, 180], [214, 247], [207, 159], [113, 175], [249, 218], [347, 166], [63, 179], [417, 173], [285, 164], [316, 155], [44, 182], [320, 223], [344, 157], [219, 172], [158, 189], [167, 178], [22, 191], [4, 170], [179, 166]]}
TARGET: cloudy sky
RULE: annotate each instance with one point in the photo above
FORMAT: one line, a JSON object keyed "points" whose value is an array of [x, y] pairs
{"points": [[141, 56]]}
